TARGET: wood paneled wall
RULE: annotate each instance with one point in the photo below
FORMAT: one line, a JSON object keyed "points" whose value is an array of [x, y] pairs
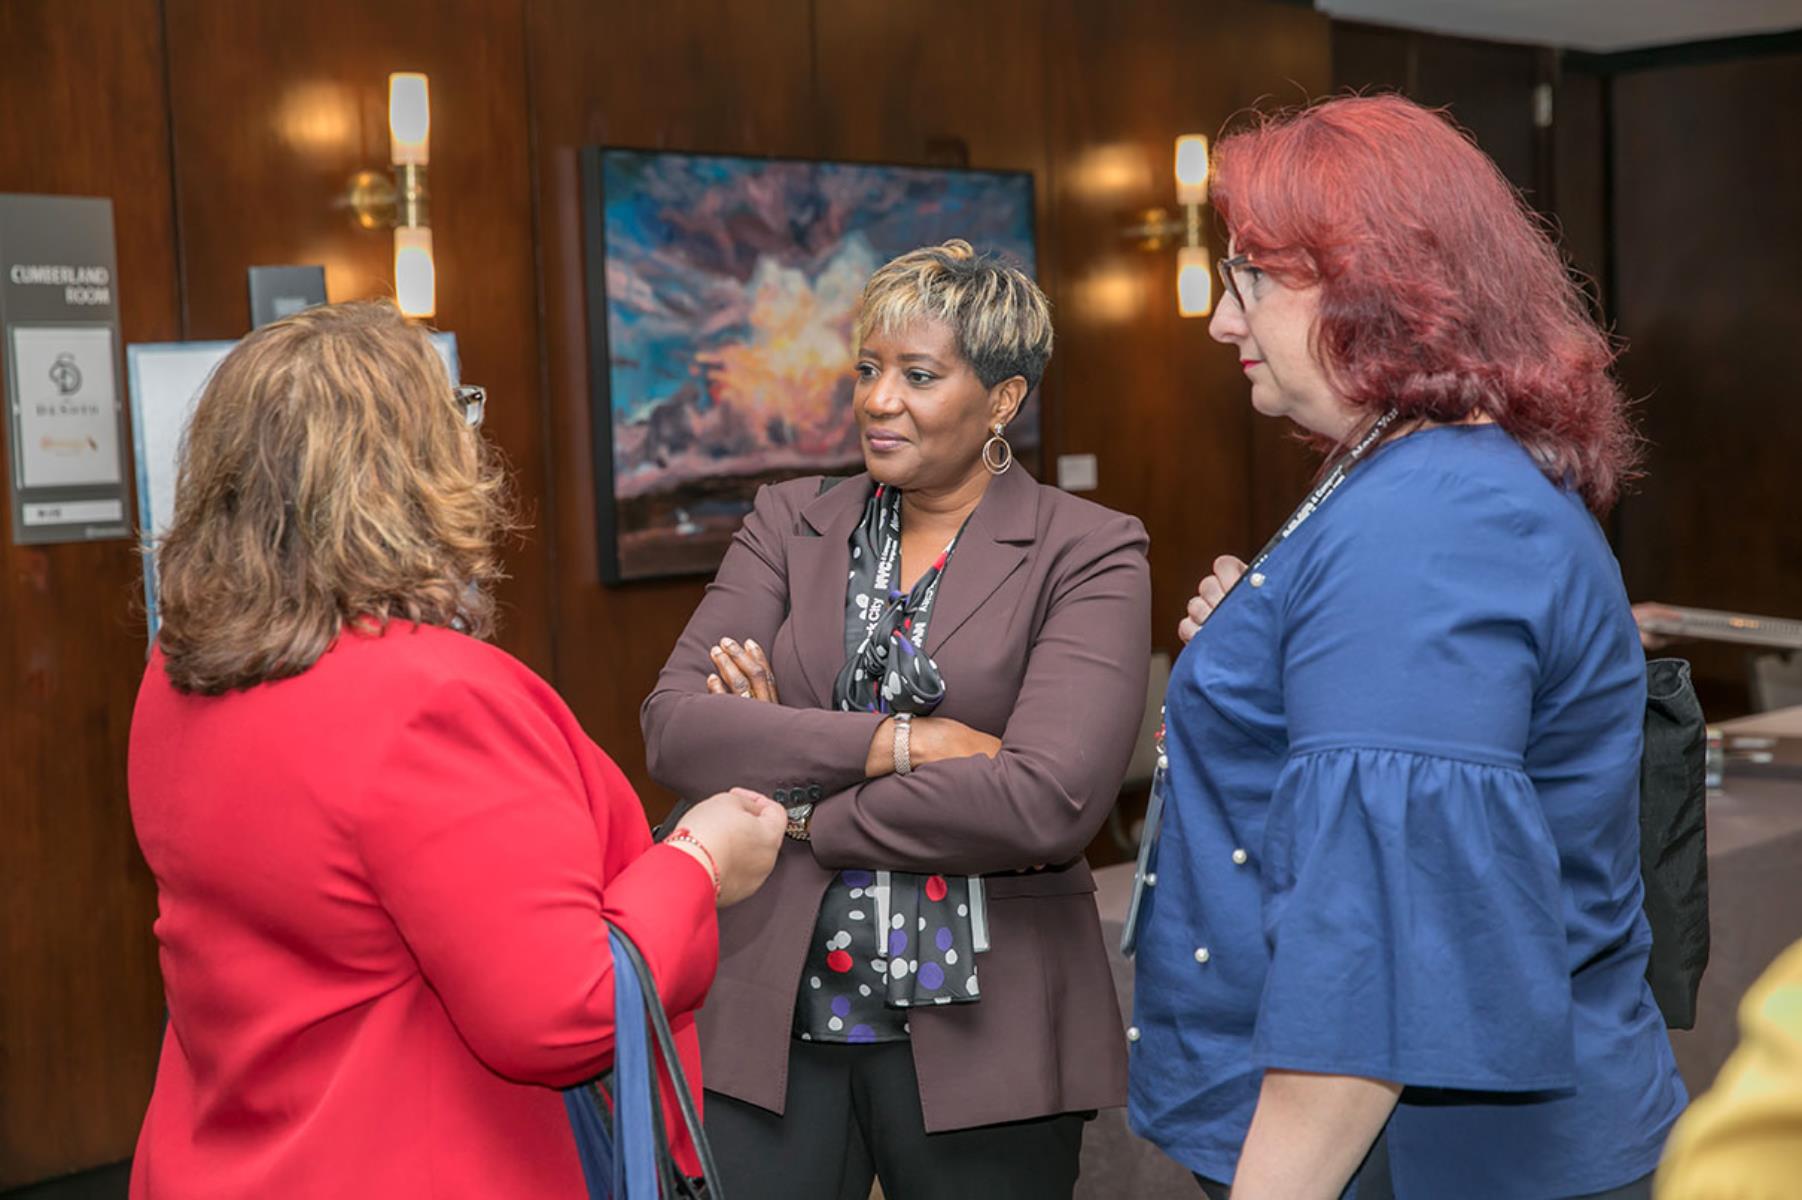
{"points": [[273, 106], [80, 995], [1707, 245], [224, 133], [1162, 406], [707, 75], [1488, 88], [1086, 95]]}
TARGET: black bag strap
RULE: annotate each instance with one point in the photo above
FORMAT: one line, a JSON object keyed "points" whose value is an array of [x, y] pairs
{"points": [[670, 823], [672, 1062], [1673, 816]]}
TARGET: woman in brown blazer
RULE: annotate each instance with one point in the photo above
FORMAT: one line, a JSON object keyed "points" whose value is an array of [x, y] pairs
{"points": [[938, 666]]}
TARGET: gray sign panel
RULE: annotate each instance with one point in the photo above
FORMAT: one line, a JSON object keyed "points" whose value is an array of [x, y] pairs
{"points": [[60, 349], [277, 292]]}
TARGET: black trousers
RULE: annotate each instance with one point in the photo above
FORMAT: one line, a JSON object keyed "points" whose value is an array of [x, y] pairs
{"points": [[854, 1116]]}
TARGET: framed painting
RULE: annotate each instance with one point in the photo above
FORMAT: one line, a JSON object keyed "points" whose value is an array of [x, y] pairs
{"points": [[721, 296]]}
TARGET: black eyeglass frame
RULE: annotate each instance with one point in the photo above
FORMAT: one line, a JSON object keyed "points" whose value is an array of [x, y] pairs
{"points": [[1226, 267], [473, 400]]}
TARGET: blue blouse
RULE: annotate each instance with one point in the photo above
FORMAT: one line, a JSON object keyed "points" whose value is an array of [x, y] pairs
{"points": [[1401, 838]]}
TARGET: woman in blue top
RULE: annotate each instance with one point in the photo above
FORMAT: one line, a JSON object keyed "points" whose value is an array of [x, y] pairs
{"points": [[1397, 881]]}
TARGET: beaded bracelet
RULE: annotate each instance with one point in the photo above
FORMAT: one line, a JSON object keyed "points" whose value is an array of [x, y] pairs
{"points": [[684, 834]]}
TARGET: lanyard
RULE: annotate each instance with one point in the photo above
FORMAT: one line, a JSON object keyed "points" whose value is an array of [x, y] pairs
{"points": [[1326, 487], [916, 632], [888, 568]]}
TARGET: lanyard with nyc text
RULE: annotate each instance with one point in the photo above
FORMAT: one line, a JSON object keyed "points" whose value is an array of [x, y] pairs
{"points": [[1326, 487]]}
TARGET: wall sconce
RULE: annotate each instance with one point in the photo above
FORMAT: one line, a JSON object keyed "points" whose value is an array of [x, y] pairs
{"points": [[400, 201], [1157, 229]]}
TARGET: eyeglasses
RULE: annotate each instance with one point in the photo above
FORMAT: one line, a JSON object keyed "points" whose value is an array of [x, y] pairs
{"points": [[474, 403], [1229, 269]]}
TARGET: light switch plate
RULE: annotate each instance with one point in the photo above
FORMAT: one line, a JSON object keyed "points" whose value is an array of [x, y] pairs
{"points": [[1077, 472]]}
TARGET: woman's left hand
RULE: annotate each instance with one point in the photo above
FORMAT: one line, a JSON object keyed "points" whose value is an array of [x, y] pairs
{"points": [[1212, 591], [743, 671]]}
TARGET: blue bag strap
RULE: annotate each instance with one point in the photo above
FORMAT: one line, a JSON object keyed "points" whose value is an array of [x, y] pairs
{"points": [[635, 1090], [594, 1142], [625, 1153], [618, 1150]]}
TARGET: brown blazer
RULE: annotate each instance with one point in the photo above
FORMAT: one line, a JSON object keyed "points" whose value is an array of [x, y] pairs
{"points": [[1041, 631]]}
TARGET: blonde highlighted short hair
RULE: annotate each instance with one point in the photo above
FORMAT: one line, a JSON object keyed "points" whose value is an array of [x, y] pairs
{"points": [[1000, 317], [327, 478]]}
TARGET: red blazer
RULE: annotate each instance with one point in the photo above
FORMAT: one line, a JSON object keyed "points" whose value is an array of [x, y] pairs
{"points": [[380, 888]]}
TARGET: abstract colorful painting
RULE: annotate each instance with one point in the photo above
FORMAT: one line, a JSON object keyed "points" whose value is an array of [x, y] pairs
{"points": [[721, 294]]}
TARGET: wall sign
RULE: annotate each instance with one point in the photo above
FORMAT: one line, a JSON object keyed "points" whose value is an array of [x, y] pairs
{"points": [[277, 292], [60, 348]]}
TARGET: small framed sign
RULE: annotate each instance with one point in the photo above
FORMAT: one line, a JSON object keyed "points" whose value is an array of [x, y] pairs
{"points": [[65, 409]]}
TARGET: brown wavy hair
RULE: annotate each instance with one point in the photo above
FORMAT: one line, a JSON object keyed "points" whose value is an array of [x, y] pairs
{"points": [[327, 479]]}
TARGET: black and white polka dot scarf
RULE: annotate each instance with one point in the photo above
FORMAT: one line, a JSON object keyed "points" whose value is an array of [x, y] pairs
{"points": [[925, 925]]}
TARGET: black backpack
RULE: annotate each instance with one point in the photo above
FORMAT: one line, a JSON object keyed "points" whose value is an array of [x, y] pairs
{"points": [[1673, 839]]}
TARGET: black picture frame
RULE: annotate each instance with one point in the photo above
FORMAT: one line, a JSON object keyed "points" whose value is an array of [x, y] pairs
{"points": [[628, 552]]}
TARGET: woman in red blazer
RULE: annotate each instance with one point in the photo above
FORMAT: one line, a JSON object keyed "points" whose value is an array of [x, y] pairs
{"points": [[383, 848]]}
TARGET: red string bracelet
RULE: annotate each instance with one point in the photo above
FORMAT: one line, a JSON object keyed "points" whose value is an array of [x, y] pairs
{"points": [[684, 834]]}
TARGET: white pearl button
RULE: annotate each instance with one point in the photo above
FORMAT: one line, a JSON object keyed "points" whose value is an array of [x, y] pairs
{"points": [[1132, 1033], [1239, 857], [1151, 880], [1201, 954], [1257, 579], [1163, 762]]}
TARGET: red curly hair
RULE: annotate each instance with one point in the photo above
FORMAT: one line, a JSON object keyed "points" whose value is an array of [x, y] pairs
{"points": [[1441, 293]]}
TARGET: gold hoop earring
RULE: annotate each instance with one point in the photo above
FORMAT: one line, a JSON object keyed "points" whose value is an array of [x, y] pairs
{"points": [[997, 455]]}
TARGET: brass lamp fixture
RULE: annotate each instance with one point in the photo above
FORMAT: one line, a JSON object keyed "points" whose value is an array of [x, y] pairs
{"points": [[1158, 229], [399, 200]]}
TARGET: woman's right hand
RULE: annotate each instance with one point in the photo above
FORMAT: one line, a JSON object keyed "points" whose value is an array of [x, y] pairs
{"points": [[1208, 596], [743, 831]]}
